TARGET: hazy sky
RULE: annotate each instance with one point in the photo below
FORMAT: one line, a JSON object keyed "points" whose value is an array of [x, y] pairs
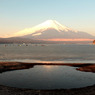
{"points": [[15, 15]]}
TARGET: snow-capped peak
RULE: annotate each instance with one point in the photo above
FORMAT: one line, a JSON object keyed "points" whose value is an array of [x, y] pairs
{"points": [[49, 24], [52, 24]]}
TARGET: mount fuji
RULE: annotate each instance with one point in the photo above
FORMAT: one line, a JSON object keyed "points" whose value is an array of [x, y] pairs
{"points": [[52, 30]]}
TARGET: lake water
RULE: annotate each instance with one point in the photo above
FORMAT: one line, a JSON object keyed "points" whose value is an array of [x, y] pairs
{"points": [[48, 53], [48, 77]]}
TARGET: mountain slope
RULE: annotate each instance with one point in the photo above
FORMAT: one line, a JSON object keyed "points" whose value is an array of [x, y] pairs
{"points": [[54, 34], [49, 24], [51, 29]]}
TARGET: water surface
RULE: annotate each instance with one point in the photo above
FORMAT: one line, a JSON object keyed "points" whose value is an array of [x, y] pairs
{"points": [[48, 53], [47, 77]]}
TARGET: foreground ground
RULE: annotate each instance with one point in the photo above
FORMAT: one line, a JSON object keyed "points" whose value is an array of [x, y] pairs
{"points": [[7, 66], [16, 91]]}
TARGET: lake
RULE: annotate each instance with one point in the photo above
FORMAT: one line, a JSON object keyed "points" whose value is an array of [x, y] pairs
{"points": [[48, 53], [48, 77]]}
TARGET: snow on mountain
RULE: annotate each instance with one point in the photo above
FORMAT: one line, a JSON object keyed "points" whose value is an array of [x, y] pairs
{"points": [[51, 29], [49, 24]]}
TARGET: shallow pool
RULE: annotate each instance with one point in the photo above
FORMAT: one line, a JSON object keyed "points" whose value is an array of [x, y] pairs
{"points": [[47, 77]]}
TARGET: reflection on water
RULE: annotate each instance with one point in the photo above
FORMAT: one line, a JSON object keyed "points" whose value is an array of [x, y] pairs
{"points": [[47, 77], [41, 61]]}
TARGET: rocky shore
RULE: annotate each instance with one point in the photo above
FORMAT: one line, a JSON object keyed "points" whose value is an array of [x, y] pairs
{"points": [[9, 66], [4, 90]]}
